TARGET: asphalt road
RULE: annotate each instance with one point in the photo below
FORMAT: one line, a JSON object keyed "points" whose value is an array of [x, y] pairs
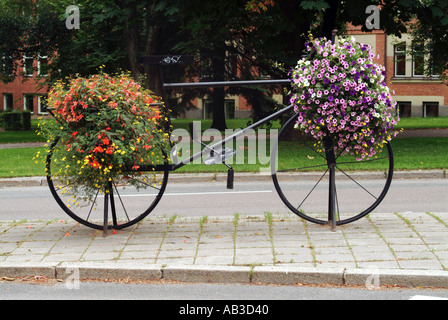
{"points": [[213, 199], [241, 294]]}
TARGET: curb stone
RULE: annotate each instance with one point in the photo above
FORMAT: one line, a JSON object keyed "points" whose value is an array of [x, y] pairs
{"points": [[18, 270], [231, 274], [290, 275], [402, 278], [108, 271]]}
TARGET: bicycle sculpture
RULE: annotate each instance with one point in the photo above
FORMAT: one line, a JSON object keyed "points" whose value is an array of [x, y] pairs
{"points": [[340, 115]]}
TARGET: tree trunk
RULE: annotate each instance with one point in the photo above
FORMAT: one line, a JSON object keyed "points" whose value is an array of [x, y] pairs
{"points": [[330, 19], [218, 95]]}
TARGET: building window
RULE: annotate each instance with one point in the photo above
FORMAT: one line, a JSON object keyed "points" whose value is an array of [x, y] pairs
{"points": [[400, 59], [418, 60], [7, 67], [42, 66], [42, 104], [8, 101], [28, 102], [430, 109], [404, 109], [28, 66]]}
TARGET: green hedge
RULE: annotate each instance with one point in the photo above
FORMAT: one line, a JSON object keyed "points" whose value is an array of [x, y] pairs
{"points": [[15, 120]]}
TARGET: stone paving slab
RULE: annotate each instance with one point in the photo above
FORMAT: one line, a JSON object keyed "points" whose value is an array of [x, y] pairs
{"points": [[409, 249]]}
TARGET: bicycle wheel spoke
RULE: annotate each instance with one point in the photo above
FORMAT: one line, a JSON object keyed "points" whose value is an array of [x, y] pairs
{"points": [[314, 187], [338, 213], [93, 205], [348, 176], [320, 154], [121, 201], [149, 185]]}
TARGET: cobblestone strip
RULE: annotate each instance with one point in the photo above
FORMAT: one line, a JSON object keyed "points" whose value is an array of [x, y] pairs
{"points": [[310, 244], [429, 233], [217, 242], [236, 219], [384, 240], [425, 233], [253, 245], [164, 237], [270, 221], [202, 222], [440, 245], [14, 235]]}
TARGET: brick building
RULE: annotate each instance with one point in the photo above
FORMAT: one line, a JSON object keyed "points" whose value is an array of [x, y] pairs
{"points": [[27, 91], [417, 94]]}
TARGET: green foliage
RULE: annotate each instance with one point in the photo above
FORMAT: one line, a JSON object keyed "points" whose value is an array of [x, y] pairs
{"points": [[115, 33], [15, 120], [314, 5]]}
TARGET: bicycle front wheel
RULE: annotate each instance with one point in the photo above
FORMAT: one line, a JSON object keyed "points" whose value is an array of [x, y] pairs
{"points": [[127, 201], [303, 179]]}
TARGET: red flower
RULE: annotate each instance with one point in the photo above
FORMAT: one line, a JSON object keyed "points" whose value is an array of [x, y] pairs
{"points": [[95, 164], [98, 149], [74, 134], [135, 167]]}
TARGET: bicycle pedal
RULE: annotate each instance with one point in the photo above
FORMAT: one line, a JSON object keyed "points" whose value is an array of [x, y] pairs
{"points": [[219, 156]]}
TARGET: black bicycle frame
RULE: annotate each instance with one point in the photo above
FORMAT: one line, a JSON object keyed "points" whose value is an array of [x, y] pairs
{"points": [[233, 136], [218, 144]]}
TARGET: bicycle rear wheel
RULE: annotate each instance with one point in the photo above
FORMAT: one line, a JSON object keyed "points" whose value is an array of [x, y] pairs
{"points": [[340, 191], [127, 201]]}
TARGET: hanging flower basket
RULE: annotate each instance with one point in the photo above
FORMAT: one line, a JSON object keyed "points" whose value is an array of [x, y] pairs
{"points": [[107, 129], [341, 98]]}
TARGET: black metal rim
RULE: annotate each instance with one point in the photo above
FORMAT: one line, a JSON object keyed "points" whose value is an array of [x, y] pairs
{"points": [[90, 224], [319, 221]]}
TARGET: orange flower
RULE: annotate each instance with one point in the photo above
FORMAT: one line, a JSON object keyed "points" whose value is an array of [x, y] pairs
{"points": [[98, 149], [113, 104]]}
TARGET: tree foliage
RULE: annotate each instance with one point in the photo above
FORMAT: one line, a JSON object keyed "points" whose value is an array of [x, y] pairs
{"points": [[231, 39]]}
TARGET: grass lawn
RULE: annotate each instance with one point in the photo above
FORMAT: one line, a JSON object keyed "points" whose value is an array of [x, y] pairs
{"points": [[406, 123], [410, 154], [423, 123], [20, 163]]}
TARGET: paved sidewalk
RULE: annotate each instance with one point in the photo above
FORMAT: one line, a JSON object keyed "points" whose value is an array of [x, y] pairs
{"points": [[408, 249]]}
